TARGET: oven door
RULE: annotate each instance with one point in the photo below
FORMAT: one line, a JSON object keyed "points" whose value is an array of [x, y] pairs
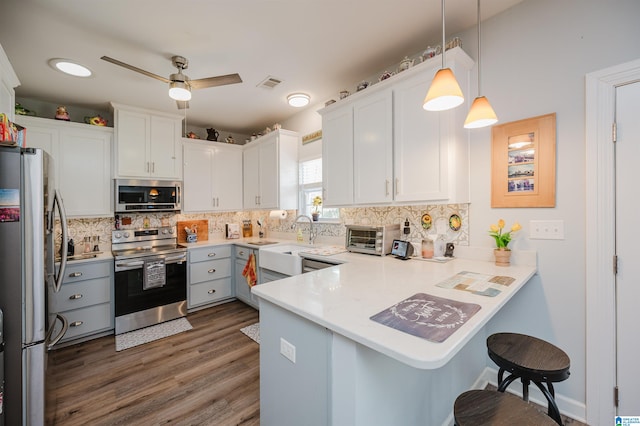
{"points": [[130, 292]]}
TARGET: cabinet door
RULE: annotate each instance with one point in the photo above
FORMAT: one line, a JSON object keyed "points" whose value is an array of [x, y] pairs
{"points": [[373, 149], [227, 178], [84, 170], [164, 148], [251, 176], [198, 178], [269, 175], [420, 145], [337, 157], [133, 133]]}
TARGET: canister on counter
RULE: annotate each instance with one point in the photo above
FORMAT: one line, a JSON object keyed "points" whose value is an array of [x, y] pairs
{"points": [[247, 229]]}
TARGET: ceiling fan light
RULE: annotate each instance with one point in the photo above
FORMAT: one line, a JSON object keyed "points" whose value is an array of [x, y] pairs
{"points": [[298, 100], [444, 93], [179, 91], [481, 114]]}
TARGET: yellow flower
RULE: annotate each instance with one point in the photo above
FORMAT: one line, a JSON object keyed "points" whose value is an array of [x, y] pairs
{"points": [[494, 228], [501, 223], [503, 238], [516, 227]]}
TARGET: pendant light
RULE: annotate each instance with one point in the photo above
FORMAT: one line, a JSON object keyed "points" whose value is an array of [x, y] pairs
{"points": [[445, 92], [481, 114]]}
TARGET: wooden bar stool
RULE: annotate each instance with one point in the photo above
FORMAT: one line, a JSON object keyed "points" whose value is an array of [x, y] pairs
{"points": [[487, 407], [531, 360]]}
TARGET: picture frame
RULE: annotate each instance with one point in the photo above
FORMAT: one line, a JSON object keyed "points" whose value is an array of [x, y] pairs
{"points": [[523, 163]]}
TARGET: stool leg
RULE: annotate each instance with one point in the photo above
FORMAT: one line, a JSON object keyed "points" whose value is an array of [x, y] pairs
{"points": [[500, 375], [525, 389], [503, 385], [553, 410]]}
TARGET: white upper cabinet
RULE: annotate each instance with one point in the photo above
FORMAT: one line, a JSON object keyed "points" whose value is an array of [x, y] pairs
{"points": [[397, 151], [270, 171], [148, 144], [8, 82], [82, 162], [212, 177]]}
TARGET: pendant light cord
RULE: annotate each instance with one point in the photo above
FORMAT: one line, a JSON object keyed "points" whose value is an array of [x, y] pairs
{"points": [[479, 55], [443, 37]]}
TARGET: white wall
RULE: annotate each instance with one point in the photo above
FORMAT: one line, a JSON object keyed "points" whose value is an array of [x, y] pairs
{"points": [[535, 57]]}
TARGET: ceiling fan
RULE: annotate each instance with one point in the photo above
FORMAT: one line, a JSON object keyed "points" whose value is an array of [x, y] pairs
{"points": [[180, 84]]}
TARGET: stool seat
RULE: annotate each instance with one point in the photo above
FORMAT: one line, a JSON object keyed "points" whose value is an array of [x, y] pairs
{"points": [[487, 407], [532, 360]]}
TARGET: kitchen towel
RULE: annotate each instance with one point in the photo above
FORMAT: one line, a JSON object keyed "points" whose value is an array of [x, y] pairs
{"points": [[154, 274], [249, 271]]}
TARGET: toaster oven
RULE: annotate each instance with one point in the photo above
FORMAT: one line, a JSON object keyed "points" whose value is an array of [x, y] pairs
{"points": [[376, 240]]}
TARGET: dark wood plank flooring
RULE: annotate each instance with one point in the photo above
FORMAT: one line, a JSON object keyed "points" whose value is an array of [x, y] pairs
{"points": [[205, 376]]}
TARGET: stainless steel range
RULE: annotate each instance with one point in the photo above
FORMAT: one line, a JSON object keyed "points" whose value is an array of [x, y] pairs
{"points": [[150, 277]]}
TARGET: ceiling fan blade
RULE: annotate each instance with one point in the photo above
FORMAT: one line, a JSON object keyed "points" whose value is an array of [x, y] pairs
{"points": [[136, 69], [221, 80], [183, 104]]}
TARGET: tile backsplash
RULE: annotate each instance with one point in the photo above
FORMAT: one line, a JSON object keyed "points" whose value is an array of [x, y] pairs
{"points": [[441, 216]]}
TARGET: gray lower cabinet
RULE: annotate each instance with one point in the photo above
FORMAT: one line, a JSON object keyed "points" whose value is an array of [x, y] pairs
{"points": [[210, 276], [85, 299], [243, 291]]}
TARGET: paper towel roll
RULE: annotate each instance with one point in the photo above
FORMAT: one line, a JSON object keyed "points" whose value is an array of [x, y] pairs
{"points": [[278, 214]]}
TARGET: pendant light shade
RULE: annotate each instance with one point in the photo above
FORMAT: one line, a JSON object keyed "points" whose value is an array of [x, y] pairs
{"points": [[445, 92], [481, 113]]}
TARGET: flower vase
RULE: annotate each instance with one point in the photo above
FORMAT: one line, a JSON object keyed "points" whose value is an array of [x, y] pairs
{"points": [[315, 216], [503, 257]]}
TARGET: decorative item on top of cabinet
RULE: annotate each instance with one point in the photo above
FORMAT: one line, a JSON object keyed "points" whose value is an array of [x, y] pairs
{"points": [[62, 114], [212, 134], [135, 154]]}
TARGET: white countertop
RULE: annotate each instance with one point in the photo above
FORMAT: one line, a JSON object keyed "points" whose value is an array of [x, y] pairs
{"points": [[343, 298]]}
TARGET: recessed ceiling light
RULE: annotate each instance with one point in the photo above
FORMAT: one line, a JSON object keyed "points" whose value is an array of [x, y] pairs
{"points": [[69, 67], [298, 99]]}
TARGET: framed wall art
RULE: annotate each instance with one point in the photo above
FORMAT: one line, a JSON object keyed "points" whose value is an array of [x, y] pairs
{"points": [[523, 163]]}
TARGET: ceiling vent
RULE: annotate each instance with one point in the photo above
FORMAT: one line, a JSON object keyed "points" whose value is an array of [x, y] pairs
{"points": [[269, 82]]}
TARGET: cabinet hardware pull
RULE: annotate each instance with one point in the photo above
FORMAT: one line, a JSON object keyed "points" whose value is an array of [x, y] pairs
{"points": [[211, 255], [241, 252], [76, 324], [153, 167], [75, 297], [211, 291], [211, 271], [75, 274]]}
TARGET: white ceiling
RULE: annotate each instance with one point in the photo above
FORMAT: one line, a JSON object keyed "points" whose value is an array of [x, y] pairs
{"points": [[315, 46]]}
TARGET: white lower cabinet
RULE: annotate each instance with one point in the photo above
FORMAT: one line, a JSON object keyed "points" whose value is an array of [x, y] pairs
{"points": [[209, 277], [81, 159], [243, 291], [85, 299]]}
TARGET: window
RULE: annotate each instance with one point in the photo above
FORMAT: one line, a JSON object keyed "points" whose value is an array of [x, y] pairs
{"points": [[311, 187]]}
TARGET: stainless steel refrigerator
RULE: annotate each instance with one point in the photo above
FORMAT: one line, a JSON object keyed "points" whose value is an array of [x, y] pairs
{"points": [[28, 206]]}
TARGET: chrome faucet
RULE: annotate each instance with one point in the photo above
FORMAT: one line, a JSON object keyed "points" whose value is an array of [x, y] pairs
{"points": [[312, 231]]}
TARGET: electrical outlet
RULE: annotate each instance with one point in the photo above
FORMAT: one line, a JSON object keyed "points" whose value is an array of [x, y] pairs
{"points": [[546, 229], [288, 350]]}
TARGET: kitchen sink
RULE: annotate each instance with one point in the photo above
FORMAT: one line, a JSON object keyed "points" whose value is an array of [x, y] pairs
{"points": [[262, 242], [283, 258]]}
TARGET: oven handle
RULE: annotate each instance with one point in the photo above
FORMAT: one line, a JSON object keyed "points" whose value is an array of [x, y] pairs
{"points": [[135, 264], [180, 258]]}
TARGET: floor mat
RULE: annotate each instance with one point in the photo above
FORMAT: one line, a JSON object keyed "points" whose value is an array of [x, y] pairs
{"points": [[252, 331], [149, 334]]}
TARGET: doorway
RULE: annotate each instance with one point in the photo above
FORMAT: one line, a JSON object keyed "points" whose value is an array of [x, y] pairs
{"points": [[601, 88]]}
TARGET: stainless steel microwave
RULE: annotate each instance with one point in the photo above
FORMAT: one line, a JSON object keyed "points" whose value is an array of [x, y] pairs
{"points": [[140, 195], [376, 240]]}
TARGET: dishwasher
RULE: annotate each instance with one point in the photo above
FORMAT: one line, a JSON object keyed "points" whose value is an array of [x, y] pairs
{"points": [[309, 265]]}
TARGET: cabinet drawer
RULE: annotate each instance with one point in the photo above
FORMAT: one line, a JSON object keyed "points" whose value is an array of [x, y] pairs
{"points": [[208, 253], [81, 294], [88, 320], [210, 291], [211, 270], [243, 253], [86, 271]]}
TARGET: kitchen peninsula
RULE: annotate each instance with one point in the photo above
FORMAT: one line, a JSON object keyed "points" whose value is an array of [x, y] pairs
{"points": [[324, 361]]}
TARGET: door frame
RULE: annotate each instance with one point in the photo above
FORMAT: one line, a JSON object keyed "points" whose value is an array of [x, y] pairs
{"points": [[600, 237]]}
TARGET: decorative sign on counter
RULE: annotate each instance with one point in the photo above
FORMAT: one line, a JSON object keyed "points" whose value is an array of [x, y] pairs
{"points": [[429, 317], [481, 284]]}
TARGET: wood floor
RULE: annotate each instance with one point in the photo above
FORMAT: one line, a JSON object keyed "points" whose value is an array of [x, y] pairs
{"points": [[205, 376]]}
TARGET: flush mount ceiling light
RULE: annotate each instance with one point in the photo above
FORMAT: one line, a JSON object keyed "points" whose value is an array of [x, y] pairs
{"points": [[481, 113], [180, 91], [445, 92], [298, 99], [69, 67]]}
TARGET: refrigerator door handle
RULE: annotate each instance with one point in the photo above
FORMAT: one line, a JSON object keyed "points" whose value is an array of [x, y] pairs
{"points": [[65, 326], [65, 239]]}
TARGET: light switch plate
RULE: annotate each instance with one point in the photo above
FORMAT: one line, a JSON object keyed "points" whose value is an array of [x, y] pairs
{"points": [[546, 229]]}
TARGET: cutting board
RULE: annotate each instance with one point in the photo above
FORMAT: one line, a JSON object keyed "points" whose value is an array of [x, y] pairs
{"points": [[203, 229]]}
